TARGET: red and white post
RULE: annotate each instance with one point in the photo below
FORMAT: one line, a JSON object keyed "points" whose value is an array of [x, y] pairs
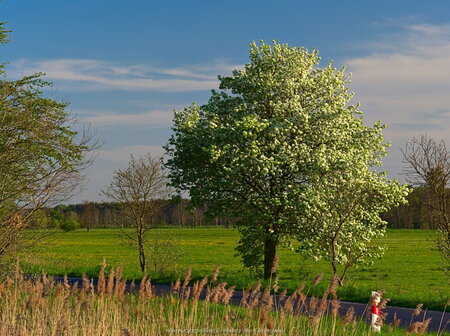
{"points": [[376, 319]]}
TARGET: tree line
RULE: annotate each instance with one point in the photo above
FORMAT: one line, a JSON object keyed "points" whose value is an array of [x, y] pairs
{"points": [[414, 215], [110, 215]]}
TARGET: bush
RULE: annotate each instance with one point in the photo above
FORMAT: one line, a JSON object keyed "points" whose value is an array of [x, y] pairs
{"points": [[69, 225], [163, 254]]}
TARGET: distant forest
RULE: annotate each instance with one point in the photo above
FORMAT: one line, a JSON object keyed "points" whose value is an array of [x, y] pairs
{"points": [[106, 215], [414, 215]]}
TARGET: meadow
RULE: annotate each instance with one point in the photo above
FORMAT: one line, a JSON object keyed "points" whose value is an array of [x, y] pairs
{"points": [[409, 271]]}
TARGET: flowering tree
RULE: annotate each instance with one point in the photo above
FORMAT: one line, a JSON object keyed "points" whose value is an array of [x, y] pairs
{"points": [[343, 215], [259, 149]]}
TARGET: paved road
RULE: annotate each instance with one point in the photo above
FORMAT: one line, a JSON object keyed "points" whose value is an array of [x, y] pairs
{"points": [[404, 314]]}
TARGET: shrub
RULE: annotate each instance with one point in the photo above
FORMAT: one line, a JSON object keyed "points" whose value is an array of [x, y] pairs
{"points": [[69, 225]]}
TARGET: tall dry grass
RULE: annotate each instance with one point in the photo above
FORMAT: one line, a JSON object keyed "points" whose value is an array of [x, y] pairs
{"points": [[45, 307]]}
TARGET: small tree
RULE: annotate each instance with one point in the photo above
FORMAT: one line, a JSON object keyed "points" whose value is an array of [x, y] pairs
{"points": [[139, 190], [260, 148], [428, 166], [89, 215], [343, 216]]}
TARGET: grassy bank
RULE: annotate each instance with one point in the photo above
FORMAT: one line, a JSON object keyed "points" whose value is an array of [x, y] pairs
{"points": [[408, 272]]}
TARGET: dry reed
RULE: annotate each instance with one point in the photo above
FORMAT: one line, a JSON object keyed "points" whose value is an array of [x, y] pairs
{"points": [[45, 307]]}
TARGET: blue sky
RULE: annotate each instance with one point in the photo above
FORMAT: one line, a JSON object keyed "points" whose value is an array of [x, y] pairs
{"points": [[124, 66]]}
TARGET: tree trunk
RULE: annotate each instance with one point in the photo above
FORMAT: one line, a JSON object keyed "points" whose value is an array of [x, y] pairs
{"points": [[340, 279], [270, 251], [142, 258], [142, 261]]}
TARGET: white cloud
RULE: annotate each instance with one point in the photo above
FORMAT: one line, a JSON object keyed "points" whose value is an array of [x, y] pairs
{"points": [[121, 155], [406, 83], [84, 74], [154, 118]]}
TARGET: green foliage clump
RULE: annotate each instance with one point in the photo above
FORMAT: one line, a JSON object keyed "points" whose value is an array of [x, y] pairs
{"points": [[69, 225]]}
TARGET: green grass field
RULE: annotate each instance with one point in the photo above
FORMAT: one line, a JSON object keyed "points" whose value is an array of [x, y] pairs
{"points": [[409, 271]]}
